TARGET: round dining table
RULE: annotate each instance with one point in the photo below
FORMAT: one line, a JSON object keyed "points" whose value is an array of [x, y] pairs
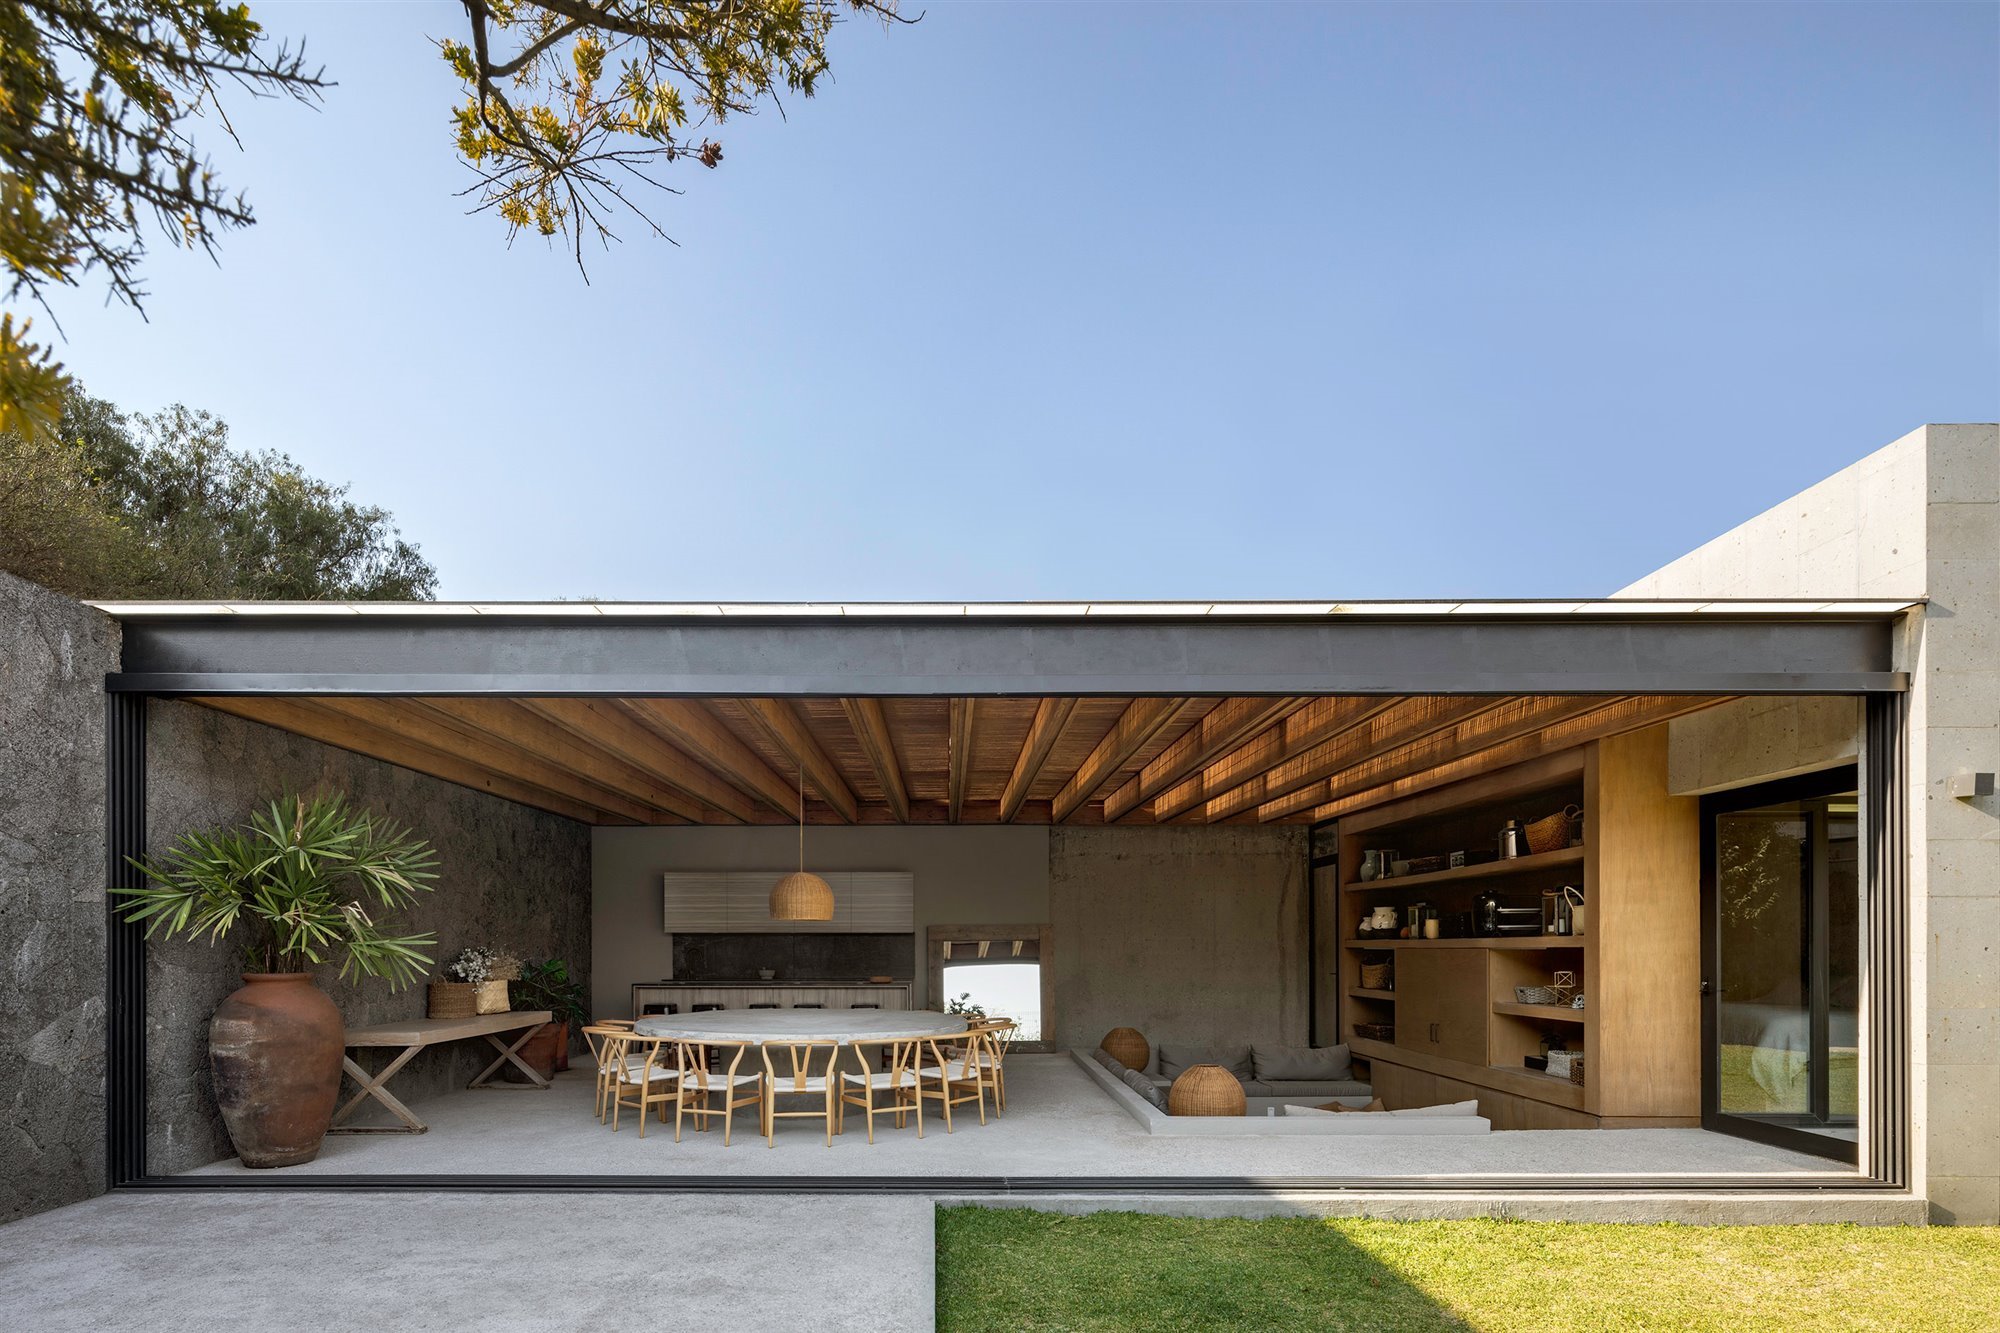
{"points": [[801, 1025]]}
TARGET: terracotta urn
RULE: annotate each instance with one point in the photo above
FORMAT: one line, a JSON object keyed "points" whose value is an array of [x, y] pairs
{"points": [[546, 1052], [274, 1050]]}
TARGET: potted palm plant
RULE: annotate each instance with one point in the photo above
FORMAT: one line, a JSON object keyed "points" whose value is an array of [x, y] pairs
{"points": [[548, 985], [308, 879]]}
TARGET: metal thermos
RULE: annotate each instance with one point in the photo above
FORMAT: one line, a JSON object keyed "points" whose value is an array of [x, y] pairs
{"points": [[1513, 840], [1486, 913]]}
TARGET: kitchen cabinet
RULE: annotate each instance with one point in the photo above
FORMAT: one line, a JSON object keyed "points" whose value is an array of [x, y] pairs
{"points": [[738, 902]]}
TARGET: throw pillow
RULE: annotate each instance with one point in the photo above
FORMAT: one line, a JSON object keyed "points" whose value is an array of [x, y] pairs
{"points": [[1108, 1060], [1375, 1105], [1450, 1108], [1144, 1086], [1177, 1060], [1296, 1064], [1291, 1109]]}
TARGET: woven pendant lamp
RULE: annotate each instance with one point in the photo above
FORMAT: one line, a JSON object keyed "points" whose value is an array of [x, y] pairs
{"points": [[800, 896]]}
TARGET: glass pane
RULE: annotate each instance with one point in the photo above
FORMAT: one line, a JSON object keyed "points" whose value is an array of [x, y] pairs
{"points": [[1788, 922], [1003, 990]]}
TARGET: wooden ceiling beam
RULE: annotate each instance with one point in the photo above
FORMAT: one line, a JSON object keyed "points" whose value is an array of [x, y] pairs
{"points": [[959, 756], [1220, 729], [1402, 722], [308, 718], [1319, 720], [1051, 716], [529, 731], [608, 724], [789, 733], [1393, 776], [871, 727], [1139, 723], [705, 737], [1412, 739]]}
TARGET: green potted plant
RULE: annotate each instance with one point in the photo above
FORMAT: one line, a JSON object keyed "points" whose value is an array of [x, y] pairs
{"points": [[307, 880], [548, 985]]}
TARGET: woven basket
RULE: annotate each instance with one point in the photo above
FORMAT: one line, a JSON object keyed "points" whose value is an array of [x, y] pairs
{"points": [[1206, 1090], [1551, 833], [1375, 1031], [467, 999], [1378, 976], [1535, 995], [1128, 1047]]}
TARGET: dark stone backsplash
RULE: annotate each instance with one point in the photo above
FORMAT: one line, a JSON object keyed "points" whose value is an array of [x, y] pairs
{"points": [[792, 957]]}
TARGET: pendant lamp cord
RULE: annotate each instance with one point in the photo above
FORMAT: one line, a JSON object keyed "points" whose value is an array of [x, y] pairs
{"points": [[802, 818]]}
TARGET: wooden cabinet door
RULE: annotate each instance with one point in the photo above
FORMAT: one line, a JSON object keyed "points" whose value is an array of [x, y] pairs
{"points": [[1441, 1003]]}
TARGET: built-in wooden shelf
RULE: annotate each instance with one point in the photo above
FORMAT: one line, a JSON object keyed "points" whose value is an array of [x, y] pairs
{"points": [[1519, 865], [1537, 1079], [1554, 1013], [1516, 1079], [1364, 993], [1478, 942]]}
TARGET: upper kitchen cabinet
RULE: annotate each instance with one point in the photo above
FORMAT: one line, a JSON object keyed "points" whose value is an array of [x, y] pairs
{"points": [[871, 902]]}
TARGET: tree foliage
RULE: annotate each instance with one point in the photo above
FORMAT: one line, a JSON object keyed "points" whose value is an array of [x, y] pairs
{"points": [[568, 104], [160, 506], [98, 102], [571, 102]]}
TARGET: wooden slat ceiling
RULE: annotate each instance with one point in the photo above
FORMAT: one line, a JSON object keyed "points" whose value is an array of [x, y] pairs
{"points": [[970, 760]]}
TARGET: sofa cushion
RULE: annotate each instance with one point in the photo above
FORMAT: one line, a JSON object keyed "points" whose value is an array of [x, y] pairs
{"points": [[1338, 1108], [1312, 1088], [1449, 1108], [1286, 1064], [1177, 1060], [1142, 1085], [1108, 1060]]}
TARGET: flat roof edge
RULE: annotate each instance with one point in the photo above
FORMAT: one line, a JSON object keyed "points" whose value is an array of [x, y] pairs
{"points": [[1610, 608]]}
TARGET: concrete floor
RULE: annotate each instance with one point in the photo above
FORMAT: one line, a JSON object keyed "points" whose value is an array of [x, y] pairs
{"points": [[278, 1263], [1058, 1123]]}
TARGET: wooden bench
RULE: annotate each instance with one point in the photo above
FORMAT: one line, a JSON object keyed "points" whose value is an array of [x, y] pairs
{"points": [[417, 1033]]}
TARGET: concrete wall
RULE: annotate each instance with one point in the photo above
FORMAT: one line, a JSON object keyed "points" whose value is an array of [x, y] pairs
{"points": [[1189, 934], [509, 876], [1195, 933], [53, 656], [965, 875], [1919, 518]]}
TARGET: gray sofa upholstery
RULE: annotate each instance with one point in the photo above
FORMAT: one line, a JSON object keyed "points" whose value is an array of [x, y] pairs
{"points": [[1264, 1070]]}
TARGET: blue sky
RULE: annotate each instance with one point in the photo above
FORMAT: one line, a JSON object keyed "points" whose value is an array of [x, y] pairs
{"points": [[1127, 301]]}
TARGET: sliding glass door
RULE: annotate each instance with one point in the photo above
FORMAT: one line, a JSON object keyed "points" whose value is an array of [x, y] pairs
{"points": [[1782, 884]]}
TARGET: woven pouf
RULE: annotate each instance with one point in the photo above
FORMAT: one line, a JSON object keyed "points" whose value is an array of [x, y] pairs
{"points": [[1128, 1047], [1206, 1090]]}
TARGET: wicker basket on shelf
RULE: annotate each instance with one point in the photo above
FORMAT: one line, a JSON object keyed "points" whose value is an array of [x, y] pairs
{"points": [[467, 999], [1551, 833], [1535, 995], [1379, 976], [1206, 1090], [1375, 1031]]}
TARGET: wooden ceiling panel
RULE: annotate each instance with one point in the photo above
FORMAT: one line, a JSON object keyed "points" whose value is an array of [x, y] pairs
{"points": [[966, 760]]}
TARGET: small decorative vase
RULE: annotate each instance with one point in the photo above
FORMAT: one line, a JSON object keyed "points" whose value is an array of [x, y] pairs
{"points": [[1371, 866]]}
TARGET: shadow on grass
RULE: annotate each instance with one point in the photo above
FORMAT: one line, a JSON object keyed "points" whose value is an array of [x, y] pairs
{"points": [[1009, 1269]]}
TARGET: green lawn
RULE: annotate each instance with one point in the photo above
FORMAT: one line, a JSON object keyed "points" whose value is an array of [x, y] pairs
{"points": [[1014, 1269]]}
